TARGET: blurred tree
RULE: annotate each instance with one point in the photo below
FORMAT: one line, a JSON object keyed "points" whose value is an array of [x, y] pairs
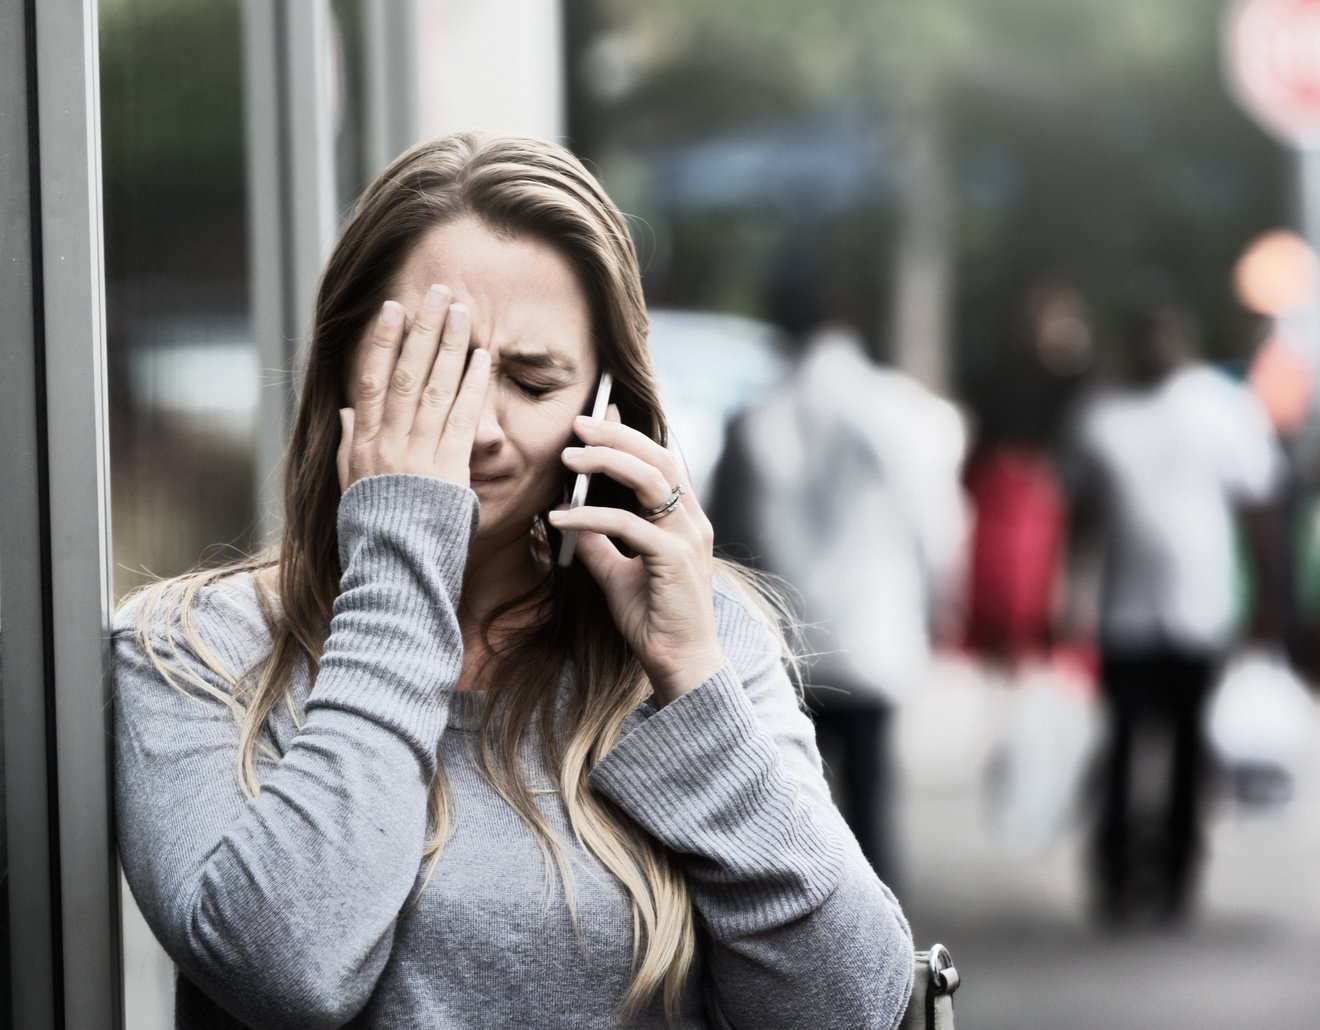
{"points": [[1107, 145], [1089, 136], [890, 61]]}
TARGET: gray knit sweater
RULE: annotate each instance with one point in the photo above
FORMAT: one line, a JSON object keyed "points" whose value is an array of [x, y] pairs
{"points": [[295, 908]]}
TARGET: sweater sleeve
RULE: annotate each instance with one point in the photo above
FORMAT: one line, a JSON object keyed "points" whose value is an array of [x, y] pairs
{"points": [[799, 930], [282, 906]]}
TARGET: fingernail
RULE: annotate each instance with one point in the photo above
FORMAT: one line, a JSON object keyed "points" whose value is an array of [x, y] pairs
{"points": [[391, 313], [555, 515], [479, 357], [574, 452], [457, 317], [436, 296]]}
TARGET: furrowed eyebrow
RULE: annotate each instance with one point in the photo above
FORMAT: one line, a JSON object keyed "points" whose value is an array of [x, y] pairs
{"points": [[540, 360]]}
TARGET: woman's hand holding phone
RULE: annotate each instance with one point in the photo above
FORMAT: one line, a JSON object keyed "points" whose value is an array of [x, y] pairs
{"points": [[662, 599], [416, 400]]}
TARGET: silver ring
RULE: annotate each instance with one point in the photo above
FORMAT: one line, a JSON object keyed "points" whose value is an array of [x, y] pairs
{"points": [[667, 507]]}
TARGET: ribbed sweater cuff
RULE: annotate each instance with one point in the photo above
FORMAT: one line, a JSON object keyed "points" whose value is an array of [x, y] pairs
{"points": [[394, 650], [705, 779], [429, 517]]}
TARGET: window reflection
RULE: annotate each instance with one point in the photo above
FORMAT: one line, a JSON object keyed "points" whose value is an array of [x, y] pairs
{"points": [[183, 370]]}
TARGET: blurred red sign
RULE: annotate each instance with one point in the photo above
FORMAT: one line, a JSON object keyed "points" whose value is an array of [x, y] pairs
{"points": [[1272, 60]]}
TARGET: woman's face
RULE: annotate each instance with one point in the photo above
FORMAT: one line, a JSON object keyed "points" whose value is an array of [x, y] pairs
{"points": [[529, 310]]}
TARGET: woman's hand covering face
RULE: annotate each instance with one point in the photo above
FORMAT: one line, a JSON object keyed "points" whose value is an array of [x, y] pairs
{"points": [[415, 408], [661, 599]]}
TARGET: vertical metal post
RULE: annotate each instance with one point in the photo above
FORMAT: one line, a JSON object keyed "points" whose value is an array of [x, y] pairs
{"points": [[23, 654], [54, 524], [287, 62], [389, 46], [1308, 195], [1307, 220], [78, 510], [311, 96], [262, 81]]}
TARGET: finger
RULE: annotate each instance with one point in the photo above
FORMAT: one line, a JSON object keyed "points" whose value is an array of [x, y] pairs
{"points": [[460, 428], [345, 446], [645, 538], [605, 433], [446, 375], [645, 480], [414, 365], [373, 378]]}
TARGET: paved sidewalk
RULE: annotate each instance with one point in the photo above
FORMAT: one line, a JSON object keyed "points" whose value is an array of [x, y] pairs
{"points": [[1017, 926]]}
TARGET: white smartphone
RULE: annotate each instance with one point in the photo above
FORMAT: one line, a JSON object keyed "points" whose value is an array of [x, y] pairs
{"points": [[579, 495]]}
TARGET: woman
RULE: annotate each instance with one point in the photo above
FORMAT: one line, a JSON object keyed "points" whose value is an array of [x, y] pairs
{"points": [[409, 772]]}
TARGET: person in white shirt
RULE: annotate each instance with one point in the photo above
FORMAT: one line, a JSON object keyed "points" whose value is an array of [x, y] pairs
{"points": [[844, 483], [1174, 461]]}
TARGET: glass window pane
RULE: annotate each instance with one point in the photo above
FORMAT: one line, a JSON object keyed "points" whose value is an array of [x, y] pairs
{"points": [[183, 370]]}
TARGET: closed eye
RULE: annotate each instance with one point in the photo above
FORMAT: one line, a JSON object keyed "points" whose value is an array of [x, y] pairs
{"points": [[532, 389]]}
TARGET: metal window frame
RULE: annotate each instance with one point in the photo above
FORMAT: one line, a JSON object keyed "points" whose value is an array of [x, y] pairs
{"points": [[55, 601], [292, 219], [390, 60]]}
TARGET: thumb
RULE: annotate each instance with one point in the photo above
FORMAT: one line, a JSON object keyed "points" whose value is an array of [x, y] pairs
{"points": [[345, 446]]}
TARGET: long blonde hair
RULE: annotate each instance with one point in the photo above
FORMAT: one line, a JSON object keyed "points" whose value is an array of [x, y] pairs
{"points": [[523, 188]]}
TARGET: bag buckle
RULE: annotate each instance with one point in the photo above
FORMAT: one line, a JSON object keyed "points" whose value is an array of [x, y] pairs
{"points": [[944, 978]]}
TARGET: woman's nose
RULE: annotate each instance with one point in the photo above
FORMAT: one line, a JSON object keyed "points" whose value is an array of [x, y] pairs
{"points": [[490, 430]]}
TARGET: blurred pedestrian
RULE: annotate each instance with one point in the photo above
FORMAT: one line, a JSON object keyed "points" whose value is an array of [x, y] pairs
{"points": [[1173, 464], [1020, 512], [844, 482], [1021, 402]]}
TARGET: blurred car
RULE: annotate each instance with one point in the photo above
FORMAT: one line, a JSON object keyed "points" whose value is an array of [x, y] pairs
{"points": [[710, 366]]}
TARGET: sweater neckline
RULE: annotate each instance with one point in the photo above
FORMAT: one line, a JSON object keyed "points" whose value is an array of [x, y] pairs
{"points": [[466, 706]]}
